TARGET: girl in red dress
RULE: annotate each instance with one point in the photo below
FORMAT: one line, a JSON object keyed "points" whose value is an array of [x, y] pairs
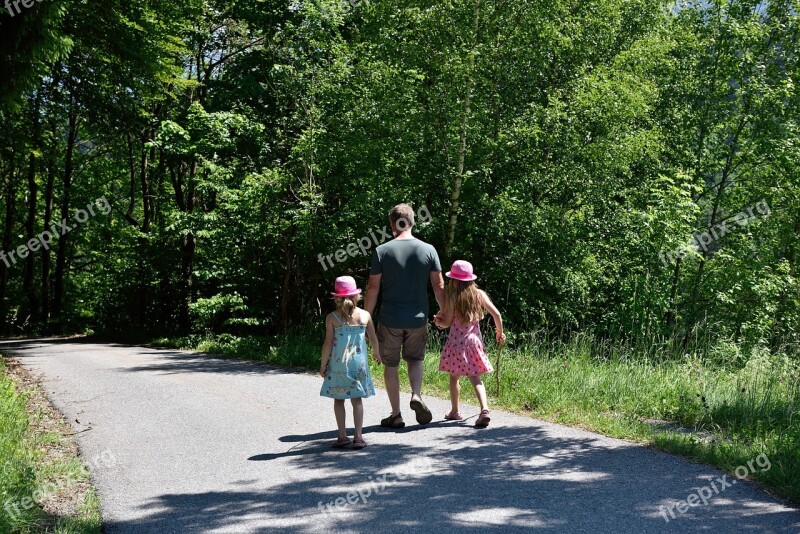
{"points": [[463, 353]]}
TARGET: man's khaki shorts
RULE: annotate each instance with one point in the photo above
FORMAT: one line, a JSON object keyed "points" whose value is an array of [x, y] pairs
{"points": [[411, 342]]}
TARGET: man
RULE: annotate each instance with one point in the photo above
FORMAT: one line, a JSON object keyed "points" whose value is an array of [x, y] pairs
{"points": [[402, 268]]}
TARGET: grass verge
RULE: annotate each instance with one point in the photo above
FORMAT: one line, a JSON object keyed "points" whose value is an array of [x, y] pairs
{"points": [[44, 485], [725, 408]]}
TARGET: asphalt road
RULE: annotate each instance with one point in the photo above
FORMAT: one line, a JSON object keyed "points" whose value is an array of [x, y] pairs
{"points": [[177, 442]]}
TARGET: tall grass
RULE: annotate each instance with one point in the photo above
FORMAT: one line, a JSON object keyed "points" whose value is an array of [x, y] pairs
{"points": [[27, 475], [17, 476]]}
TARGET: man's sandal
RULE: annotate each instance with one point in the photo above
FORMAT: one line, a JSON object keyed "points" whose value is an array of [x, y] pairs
{"points": [[424, 415], [393, 421]]}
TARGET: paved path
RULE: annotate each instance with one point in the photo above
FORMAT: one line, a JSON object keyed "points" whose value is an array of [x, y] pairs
{"points": [[183, 443]]}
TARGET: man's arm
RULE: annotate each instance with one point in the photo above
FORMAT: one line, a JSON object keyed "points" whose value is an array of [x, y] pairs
{"points": [[437, 281], [373, 288]]}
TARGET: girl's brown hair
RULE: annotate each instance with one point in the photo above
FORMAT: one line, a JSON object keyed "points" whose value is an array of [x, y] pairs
{"points": [[465, 301], [347, 305]]}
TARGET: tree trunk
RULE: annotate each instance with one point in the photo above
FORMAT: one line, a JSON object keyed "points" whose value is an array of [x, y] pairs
{"points": [[720, 190], [673, 295], [286, 288], [8, 227], [187, 246], [187, 262], [63, 240], [48, 219], [462, 145], [28, 283]]}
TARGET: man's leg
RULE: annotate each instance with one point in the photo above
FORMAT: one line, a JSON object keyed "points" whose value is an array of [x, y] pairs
{"points": [[414, 345], [392, 381], [415, 372], [390, 341]]}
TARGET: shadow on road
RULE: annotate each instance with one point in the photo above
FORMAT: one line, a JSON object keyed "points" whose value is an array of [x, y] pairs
{"points": [[505, 478]]}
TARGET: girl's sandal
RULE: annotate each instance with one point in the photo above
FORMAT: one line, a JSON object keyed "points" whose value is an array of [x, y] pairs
{"points": [[341, 443], [359, 443], [483, 419], [453, 416]]}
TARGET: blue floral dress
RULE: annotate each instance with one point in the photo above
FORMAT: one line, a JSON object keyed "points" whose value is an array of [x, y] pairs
{"points": [[347, 376]]}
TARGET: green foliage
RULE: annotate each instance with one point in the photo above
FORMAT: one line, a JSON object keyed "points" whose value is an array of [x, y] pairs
{"points": [[30, 42], [212, 313], [239, 141]]}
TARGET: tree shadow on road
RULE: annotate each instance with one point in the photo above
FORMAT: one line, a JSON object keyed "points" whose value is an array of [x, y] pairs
{"points": [[509, 478]]}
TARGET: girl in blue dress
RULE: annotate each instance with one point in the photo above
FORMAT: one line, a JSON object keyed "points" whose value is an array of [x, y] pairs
{"points": [[344, 363]]}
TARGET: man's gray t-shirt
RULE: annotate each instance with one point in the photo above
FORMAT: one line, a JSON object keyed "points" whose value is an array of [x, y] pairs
{"points": [[406, 266]]}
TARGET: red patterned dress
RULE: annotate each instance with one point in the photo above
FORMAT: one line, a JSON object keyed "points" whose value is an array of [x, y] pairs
{"points": [[463, 353]]}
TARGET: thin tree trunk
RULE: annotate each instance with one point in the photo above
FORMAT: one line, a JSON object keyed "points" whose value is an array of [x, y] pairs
{"points": [[286, 288], [28, 283], [187, 263], [462, 145], [48, 219], [147, 216], [48, 197], [8, 227], [187, 251], [63, 240], [673, 294], [721, 188]]}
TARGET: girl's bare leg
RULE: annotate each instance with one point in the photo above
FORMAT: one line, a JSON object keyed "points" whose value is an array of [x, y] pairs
{"points": [[455, 391], [480, 391], [338, 409], [358, 415]]}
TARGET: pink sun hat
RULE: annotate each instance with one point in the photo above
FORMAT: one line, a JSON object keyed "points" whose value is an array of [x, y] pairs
{"points": [[345, 286], [461, 270]]}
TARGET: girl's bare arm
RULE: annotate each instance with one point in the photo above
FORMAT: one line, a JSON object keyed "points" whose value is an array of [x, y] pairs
{"points": [[444, 319], [327, 346], [495, 313], [373, 338]]}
